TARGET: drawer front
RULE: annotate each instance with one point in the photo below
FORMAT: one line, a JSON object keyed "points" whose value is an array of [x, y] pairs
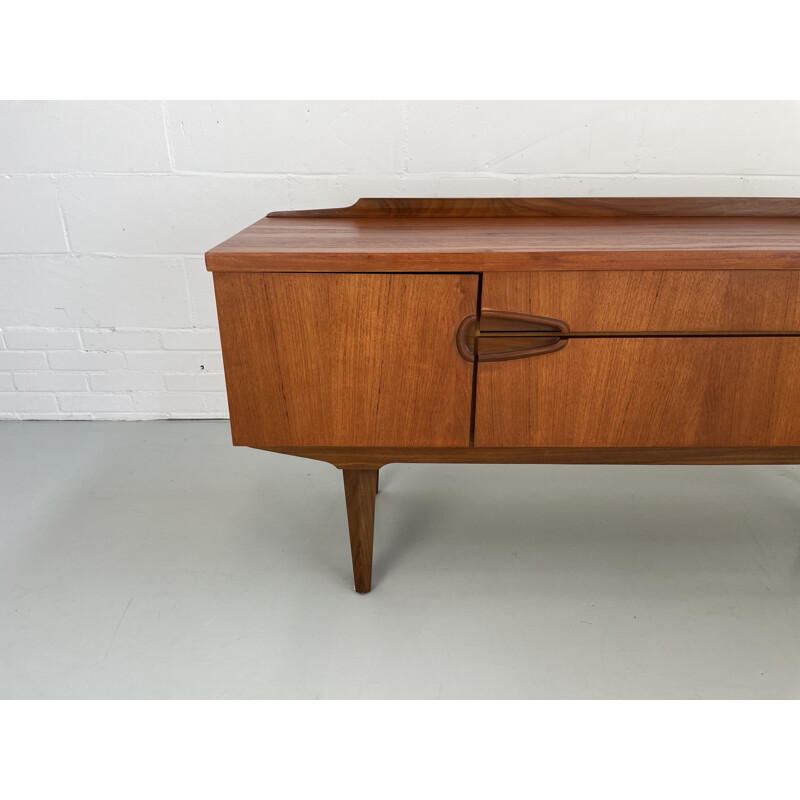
{"points": [[706, 390], [346, 360], [670, 392], [664, 300]]}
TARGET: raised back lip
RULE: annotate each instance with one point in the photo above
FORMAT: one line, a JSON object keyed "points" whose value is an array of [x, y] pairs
{"points": [[418, 207]]}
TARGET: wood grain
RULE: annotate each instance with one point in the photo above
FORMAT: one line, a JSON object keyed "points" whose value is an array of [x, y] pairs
{"points": [[708, 300], [559, 207], [360, 488], [464, 244], [346, 360], [628, 392], [376, 457]]}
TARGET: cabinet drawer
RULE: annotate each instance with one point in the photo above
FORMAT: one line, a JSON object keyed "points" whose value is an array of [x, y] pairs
{"points": [[630, 392], [346, 360], [659, 300], [667, 359]]}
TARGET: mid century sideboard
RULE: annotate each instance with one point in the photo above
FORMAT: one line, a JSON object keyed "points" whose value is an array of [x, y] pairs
{"points": [[633, 331]]}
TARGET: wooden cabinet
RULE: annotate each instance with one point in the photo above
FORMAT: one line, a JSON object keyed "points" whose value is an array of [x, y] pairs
{"points": [[548, 331]]}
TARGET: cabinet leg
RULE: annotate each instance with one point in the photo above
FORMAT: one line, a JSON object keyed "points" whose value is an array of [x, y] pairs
{"points": [[360, 486]]}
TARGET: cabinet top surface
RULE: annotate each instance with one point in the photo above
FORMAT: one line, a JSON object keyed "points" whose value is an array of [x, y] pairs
{"points": [[477, 235]]}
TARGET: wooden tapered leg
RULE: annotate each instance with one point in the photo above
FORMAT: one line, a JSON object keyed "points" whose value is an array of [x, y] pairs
{"points": [[360, 487]]}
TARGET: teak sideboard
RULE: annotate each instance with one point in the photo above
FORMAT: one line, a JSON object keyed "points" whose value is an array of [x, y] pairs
{"points": [[624, 331]]}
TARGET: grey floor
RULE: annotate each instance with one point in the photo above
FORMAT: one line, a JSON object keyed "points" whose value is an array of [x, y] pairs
{"points": [[155, 560]]}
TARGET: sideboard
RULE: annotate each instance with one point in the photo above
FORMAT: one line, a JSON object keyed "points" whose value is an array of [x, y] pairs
{"points": [[580, 330]]}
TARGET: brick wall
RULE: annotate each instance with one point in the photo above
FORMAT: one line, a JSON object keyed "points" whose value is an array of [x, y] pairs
{"points": [[106, 311]]}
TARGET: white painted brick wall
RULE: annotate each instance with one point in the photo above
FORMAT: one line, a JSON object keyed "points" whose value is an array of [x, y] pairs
{"points": [[106, 310]]}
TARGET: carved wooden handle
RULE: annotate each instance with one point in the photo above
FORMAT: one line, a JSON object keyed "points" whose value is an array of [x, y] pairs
{"points": [[505, 335]]}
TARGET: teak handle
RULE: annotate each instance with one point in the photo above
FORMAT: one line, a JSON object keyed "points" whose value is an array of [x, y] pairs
{"points": [[506, 335]]}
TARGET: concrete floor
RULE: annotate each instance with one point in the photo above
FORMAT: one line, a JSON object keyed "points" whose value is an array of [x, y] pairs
{"points": [[155, 560]]}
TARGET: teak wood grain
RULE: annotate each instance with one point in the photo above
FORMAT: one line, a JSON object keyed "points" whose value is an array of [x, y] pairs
{"points": [[507, 243], [377, 457], [635, 301], [629, 392], [558, 207], [360, 488], [346, 360]]}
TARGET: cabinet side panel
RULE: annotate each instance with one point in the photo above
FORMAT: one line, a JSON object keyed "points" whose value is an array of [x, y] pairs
{"points": [[346, 360]]}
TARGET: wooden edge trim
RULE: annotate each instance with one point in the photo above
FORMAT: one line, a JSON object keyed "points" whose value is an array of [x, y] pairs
{"points": [[559, 207], [507, 261], [376, 457]]}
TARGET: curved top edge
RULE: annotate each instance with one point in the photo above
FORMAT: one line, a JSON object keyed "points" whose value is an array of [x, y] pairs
{"points": [[559, 207]]}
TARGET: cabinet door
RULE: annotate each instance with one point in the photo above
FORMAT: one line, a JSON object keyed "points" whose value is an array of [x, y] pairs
{"points": [[668, 359], [346, 360]]}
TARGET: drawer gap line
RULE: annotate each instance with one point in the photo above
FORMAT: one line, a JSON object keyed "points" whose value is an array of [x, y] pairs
{"points": [[637, 334]]}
